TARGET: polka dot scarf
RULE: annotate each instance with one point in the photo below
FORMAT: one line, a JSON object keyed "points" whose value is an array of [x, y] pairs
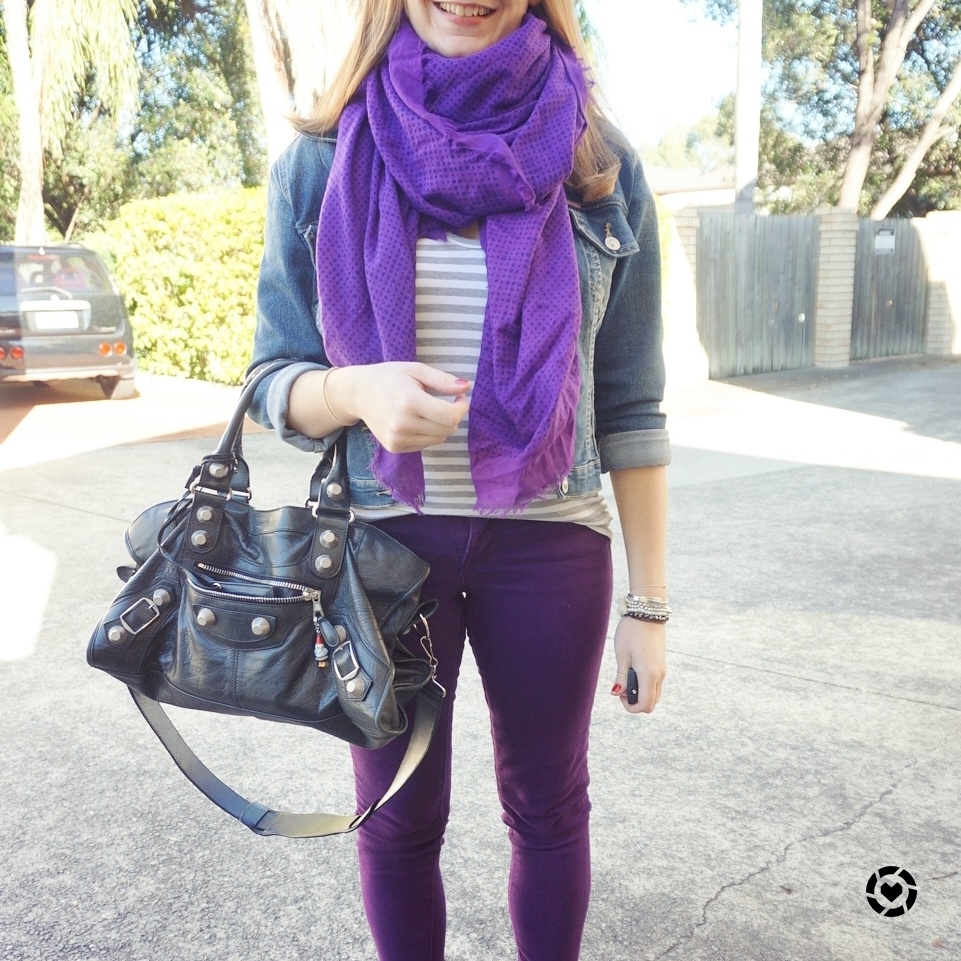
{"points": [[432, 143]]}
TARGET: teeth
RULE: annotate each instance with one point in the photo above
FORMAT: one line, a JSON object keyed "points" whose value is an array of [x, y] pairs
{"points": [[459, 10]]}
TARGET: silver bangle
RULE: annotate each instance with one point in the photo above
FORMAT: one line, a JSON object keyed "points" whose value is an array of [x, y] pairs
{"points": [[646, 608]]}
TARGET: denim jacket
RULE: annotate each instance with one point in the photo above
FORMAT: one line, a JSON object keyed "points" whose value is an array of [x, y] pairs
{"points": [[618, 421]]}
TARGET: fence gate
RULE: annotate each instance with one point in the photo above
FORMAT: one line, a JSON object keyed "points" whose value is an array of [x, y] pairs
{"points": [[890, 291], [756, 292]]}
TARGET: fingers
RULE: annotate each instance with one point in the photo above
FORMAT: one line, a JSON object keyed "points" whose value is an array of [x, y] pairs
{"points": [[648, 693], [410, 406], [445, 414], [639, 645], [439, 381]]}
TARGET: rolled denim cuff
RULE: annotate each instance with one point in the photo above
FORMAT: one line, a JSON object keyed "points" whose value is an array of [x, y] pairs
{"points": [[635, 448], [278, 406]]}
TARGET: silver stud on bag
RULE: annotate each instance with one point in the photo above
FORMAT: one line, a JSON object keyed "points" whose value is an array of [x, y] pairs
{"points": [[204, 514], [260, 626], [161, 596], [328, 538], [351, 686], [116, 635], [341, 632], [198, 538], [335, 491], [206, 617], [218, 470], [324, 562]]}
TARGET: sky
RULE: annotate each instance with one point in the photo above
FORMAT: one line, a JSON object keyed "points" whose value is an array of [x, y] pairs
{"points": [[664, 64]]}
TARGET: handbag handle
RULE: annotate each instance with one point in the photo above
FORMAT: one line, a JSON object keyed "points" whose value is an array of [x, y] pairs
{"points": [[266, 821], [225, 473]]}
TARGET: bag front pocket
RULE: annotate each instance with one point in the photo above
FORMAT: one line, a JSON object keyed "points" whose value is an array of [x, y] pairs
{"points": [[255, 653]]}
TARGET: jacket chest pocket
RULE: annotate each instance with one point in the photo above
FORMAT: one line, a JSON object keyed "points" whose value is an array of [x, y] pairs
{"points": [[604, 225]]}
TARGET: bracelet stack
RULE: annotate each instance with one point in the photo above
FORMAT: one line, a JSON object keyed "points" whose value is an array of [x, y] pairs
{"points": [[646, 609]]}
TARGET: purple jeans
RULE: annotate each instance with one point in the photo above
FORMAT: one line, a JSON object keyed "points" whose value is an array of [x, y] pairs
{"points": [[533, 597]]}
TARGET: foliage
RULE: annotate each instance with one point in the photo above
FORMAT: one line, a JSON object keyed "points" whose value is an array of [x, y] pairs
{"points": [[77, 38], [706, 146], [198, 126], [10, 181], [810, 96], [186, 265]]}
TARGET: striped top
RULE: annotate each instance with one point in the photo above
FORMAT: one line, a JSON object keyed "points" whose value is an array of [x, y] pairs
{"points": [[451, 297]]}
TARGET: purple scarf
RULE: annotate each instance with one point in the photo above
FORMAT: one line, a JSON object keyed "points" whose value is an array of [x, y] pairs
{"points": [[438, 142]]}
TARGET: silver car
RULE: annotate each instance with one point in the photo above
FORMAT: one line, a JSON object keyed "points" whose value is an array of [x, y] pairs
{"points": [[61, 317]]}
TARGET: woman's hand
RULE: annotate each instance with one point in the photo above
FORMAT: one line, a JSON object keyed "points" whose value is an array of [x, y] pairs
{"points": [[407, 406], [640, 644]]}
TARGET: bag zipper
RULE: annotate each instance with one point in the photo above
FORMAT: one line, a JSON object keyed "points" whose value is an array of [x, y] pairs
{"points": [[321, 650], [272, 582]]}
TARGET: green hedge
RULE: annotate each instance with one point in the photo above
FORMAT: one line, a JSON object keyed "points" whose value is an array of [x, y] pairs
{"points": [[187, 265]]}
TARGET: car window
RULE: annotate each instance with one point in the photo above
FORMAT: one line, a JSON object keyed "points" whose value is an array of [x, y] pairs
{"points": [[8, 275], [76, 273]]}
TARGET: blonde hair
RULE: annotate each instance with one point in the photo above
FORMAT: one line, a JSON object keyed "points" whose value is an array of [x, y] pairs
{"points": [[595, 164]]}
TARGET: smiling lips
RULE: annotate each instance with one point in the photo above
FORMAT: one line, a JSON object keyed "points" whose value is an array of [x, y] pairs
{"points": [[460, 10]]}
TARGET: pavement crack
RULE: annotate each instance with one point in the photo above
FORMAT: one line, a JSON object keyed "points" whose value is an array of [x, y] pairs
{"points": [[47, 502], [781, 857], [812, 680]]}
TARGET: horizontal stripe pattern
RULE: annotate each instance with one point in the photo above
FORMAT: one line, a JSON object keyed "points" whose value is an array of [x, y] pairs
{"points": [[450, 299]]}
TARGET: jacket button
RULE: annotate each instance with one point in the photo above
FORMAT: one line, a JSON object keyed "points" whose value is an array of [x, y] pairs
{"points": [[565, 486], [612, 243]]}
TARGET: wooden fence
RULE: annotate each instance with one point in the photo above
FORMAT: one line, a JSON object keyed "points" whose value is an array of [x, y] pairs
{"points": [[756, 292], [890, 291]]}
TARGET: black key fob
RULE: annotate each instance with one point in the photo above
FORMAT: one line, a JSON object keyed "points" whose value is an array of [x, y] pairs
{"points": [[631, 686]]}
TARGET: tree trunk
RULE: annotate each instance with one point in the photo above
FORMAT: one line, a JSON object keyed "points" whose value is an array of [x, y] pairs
{"points": [[30, 228], [875, 80], [747, 104], [318, 35], [272, 78]]}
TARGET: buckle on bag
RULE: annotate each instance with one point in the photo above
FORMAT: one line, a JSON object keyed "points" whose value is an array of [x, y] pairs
{"points": [[354, 666], [246, 495], [139, 616]]}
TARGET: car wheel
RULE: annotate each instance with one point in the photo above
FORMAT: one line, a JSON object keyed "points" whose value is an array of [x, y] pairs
{"points": [[118, 388]]}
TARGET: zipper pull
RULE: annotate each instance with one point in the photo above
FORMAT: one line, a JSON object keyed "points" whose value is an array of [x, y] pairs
{"points": [[321, 650]]}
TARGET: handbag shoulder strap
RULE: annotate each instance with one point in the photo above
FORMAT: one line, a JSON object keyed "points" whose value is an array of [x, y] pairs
{"points": [[261, 819]]}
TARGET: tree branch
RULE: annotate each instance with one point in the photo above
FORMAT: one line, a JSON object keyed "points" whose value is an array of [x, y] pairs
{"points": [[931, 133]]}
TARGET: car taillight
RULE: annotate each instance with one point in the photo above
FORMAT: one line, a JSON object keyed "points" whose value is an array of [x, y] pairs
{"points": [[119, 348], [104, 349], [3, 353], [16, 353]]}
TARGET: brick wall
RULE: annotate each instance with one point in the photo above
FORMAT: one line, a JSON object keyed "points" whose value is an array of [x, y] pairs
{"points": [[940, 234], [835, 288]]}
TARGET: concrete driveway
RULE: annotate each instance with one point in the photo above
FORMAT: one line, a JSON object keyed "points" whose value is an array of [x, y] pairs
{"points": [[809, 735]]}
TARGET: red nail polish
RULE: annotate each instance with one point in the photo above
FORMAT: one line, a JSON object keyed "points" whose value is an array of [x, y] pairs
{"points": [[617, 689]]}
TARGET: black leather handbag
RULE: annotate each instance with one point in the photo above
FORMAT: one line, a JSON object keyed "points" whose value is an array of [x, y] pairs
{"points": [[300, 614]]}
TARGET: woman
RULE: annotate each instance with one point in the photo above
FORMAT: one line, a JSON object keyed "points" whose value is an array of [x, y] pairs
{"points": [[467, 274]]}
